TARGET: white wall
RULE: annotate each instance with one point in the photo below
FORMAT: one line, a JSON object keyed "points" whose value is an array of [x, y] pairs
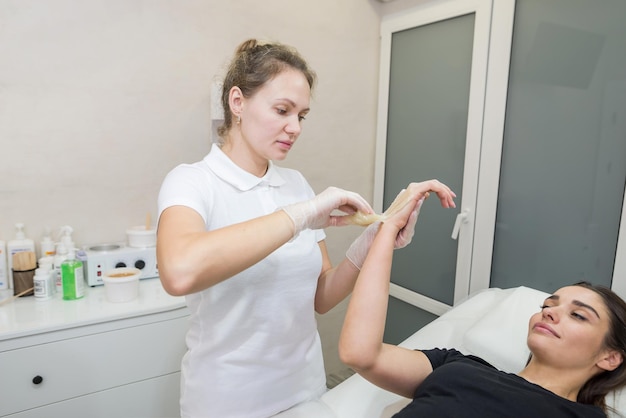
{"points": [[99, 99]]}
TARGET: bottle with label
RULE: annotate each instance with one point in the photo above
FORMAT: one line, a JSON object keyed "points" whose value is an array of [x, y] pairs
{"points": [[59, 258], [47, 264], [4, 274], [44, 286], [47, 245], [19, 244], [72, 277], [62, 250]]}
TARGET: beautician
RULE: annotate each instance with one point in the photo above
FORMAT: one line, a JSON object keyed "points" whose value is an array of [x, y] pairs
{"points": [[243, 240]]}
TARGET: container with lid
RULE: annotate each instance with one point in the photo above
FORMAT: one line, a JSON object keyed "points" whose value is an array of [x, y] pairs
{"points": [[121, 284], [141, 236]]}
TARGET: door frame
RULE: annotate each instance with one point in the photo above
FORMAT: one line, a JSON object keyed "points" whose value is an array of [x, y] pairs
{"points": [[500, 46], [419, 16], [496, 94]]}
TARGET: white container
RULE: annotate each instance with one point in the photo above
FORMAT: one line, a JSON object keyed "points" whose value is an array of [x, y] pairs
{"points": [[121, 284], [44, 286], [140, 237], [47, 246], [46, 263]]}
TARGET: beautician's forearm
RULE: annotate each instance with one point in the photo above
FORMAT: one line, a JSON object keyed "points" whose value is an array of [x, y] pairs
{"points": [[195, 260], [334, 285]]}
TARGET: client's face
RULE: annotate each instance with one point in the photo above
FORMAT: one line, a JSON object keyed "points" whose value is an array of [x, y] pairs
{"points": [[569, 330]]}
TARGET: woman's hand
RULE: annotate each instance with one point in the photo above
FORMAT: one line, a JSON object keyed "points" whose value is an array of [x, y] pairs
{"points": [[402, 213], [316, 213], [414, 195]]}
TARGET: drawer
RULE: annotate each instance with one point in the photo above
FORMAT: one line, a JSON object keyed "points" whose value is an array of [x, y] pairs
{"points": [[153, 398], [88, 364]]}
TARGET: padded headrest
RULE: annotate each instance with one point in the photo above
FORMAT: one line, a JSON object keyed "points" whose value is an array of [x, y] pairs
{"points": [[499, 336]]}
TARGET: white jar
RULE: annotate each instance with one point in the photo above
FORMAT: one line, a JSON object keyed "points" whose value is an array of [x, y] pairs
{"points": [[140, 237], [121, 284], [43, 283]]}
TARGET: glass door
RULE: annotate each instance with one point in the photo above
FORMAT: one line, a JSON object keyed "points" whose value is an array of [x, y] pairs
{"points": [[433, 70], [520, 106], [560, 107]]}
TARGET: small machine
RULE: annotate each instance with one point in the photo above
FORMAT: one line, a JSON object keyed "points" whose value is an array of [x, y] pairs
{"points": [[100, 258]]}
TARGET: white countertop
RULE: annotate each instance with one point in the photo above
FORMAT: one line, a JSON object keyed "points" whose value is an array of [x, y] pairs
{"points": [[27, 316]]}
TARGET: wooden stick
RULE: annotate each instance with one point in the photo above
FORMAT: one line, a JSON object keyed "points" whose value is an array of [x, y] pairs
{"points": [[24, 261], [7, 300], [148, 221]]}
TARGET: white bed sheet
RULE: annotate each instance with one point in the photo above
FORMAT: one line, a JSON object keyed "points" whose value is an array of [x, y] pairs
{"points": [[491, 324]]}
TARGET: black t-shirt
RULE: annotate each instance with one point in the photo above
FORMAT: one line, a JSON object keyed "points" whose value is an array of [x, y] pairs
{"points": [[468, 387]]}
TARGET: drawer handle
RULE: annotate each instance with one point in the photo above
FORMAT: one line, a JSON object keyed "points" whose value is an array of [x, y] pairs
{"points": [[37, 379]]}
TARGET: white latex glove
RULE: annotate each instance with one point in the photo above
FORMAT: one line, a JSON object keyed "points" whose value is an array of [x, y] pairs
{"points": [[357, 252], [316, 213]]}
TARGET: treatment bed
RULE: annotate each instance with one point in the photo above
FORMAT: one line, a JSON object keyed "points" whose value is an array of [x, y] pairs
{"points": [[491, 324]]}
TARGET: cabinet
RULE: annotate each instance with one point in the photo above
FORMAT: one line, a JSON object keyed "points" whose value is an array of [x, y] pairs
{"points": [[64, 358]]}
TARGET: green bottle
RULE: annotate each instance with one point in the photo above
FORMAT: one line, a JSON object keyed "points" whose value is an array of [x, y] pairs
{"points": [[72, 277]]}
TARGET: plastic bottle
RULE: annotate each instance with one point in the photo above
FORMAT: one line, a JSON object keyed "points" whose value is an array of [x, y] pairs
{"points": [[59, 258], [44, 287], [73, 277], [19, 244], [62, 251], [4, 274], [47, 263], [66, 237], [47, 245]]}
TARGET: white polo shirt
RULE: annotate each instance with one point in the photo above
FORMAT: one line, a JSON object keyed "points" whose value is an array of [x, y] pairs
{"points": [[253, 345]]}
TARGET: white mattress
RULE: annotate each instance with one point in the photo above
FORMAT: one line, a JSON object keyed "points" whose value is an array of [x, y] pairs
{"points": [[491, 324]]}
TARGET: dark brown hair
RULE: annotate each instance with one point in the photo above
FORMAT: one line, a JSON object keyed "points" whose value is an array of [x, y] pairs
{"points": [[254, 64], [594, 391]]}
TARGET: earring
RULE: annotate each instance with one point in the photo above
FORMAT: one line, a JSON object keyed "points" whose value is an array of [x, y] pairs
{"points": [[238, 119]]}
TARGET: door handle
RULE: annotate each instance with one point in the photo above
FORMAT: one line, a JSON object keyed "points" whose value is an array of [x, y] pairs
{"points": [[461, 218]]}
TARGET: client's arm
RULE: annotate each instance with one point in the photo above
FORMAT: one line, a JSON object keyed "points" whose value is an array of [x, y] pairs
{"points": [[361, 346]]}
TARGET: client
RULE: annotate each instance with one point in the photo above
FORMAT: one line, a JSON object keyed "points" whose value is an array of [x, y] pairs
{"points": [[577, 343]]}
